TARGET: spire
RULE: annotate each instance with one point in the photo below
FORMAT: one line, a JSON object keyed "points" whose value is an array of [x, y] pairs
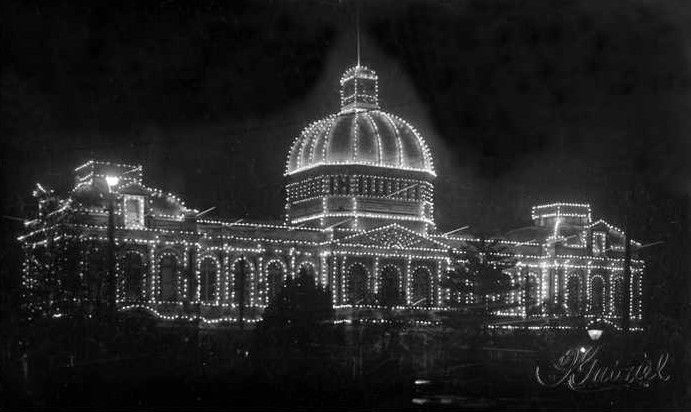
{"points": [[357, 31], [359, 88]]}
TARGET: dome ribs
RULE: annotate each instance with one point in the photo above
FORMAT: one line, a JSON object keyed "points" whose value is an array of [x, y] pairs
{"points": [[399, 146], [340, 147], [427, 157], [310, 133], [326, 125], [378, 138], [360, 134], [354, 140], [327, 139]]}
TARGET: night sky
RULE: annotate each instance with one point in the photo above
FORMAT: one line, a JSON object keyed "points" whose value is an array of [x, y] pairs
{"points": [[521, 101]]}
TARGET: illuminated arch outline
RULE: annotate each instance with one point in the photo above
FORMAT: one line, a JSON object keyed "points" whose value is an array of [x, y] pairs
{"points": [[250, 278], [284, 275], [219, 267], [430, 280], [399, 278], [307, 264], [346, 281], [121, 293], [591, 291], [179, 262]]}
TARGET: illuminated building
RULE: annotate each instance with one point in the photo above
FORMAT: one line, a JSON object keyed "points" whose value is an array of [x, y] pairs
{"points": [[359, 218]]}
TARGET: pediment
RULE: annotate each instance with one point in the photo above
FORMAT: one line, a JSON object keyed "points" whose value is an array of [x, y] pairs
{"points": [[603, 226], [392, 237]]}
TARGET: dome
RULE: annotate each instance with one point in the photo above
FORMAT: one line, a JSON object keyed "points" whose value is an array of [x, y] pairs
{"points": [[360, 134]]}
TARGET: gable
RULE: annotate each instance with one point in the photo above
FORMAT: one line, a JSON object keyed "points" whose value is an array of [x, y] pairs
{"points": [[604, 227], [392, 237]]}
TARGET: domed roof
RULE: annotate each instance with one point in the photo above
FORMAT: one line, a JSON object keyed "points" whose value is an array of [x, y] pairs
{"points": [[360, 134]]}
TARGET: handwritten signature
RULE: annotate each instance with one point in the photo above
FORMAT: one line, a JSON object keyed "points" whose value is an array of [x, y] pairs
{"points": [[581, 370]]}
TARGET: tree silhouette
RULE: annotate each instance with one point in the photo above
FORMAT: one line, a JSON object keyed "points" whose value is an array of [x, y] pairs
{"points": [[480, 275], [299, 316]]}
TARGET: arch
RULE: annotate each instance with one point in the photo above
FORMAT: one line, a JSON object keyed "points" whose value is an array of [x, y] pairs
{"points": [[208, 278], [132, 271], [422, 286], [573, 294], [618, 296], [168, 270], [96, 269], [356, 283], [390, 290], [243, 273], [309, 268], [276, 275], [597, 295]]}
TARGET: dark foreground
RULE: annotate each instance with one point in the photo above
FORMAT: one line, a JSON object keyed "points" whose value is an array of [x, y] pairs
{"points": [[144, 365]]}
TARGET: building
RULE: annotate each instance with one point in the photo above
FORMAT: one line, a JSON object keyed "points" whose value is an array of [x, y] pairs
{"points": [[359, 218]]}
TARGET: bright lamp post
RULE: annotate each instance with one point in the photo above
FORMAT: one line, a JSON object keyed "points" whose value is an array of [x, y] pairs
{"points": [[595, 334], [112, 181], [111, 287], [595, 331]]}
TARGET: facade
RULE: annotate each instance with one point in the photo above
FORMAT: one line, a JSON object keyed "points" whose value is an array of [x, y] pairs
{"points": [[359, 218]]}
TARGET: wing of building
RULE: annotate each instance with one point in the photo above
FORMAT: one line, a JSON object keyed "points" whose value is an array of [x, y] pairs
{"points": [[359, 218]]}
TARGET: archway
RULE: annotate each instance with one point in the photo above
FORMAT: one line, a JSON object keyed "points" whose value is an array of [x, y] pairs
{"points": [[573, 290], [389, 286], [422, 287], [597, 295], [356, 286], [242, 280], [275, 274], [307, 268], [168, 273], [96, 273], [208, 273]]}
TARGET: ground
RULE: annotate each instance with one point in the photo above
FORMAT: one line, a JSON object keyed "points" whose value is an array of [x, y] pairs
{"points": [[151, 365]]}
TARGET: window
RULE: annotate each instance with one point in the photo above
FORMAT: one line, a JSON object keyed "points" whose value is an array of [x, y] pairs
{"points": [[343, 185], [599, 243], [134, 211]]}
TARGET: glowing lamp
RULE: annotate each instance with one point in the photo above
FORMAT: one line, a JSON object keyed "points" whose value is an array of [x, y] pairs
{"points": [[112, 181], [595, 333]]}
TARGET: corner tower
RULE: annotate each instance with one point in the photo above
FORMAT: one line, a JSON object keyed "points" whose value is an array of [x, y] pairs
{"points": [[360, 167]]}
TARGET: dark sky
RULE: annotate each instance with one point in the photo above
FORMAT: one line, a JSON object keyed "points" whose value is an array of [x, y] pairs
{"points": [[521, 101]]}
